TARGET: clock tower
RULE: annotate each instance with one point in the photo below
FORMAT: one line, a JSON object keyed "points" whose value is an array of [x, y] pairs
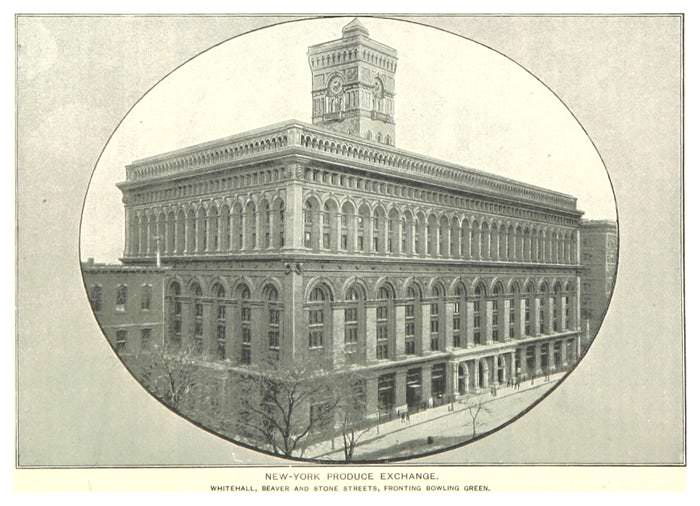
{"points": [[352, 90]]}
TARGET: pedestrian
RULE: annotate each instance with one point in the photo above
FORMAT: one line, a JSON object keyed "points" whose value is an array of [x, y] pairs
{"points": [[408, 417], [403, 417]]}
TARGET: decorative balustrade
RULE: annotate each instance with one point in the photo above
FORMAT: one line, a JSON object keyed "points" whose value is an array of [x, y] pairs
{"points": [[296, 137]]}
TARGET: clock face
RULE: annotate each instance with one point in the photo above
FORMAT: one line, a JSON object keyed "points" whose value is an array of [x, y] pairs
{"points": [[378, 88], [335, 86]]}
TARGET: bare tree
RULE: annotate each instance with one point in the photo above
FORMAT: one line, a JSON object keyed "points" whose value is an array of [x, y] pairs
{"points": [[475, 408], [282, 406], [351, 410], [172, 376]]}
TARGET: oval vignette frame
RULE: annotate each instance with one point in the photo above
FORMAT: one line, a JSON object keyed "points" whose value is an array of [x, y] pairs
{"points": [[480, 436]]}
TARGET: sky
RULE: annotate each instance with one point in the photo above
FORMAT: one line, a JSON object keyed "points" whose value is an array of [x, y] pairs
{"points": [[456, 100]]}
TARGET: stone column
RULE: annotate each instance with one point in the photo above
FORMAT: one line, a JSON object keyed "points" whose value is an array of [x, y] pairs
{"points": [[259, 344], [400, 389], [538, 360], [293, 215], [576, 313], [370, 233], [448, 326], [488, 338], [338, 233], [505, 318], [244, 230], [427, 386], [452, 380], [400, 330], [472, 373], [372, 392], [371, 333], [337, 350], [535, 316], [497, 256], [520, 330], [424, 238], [523, 360], [468, 325], [423, 346], [209, 330], [549, 315], [512, 373], [551, 363], [233, 329], [448, 241]]}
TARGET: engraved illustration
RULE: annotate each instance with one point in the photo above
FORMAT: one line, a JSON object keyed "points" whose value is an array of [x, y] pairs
{"points": [[318, 290]]}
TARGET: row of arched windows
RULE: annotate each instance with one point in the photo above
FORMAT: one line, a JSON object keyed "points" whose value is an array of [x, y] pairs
{"points": [[212, 332], [336, 229], [214, 230], [430, 320]]}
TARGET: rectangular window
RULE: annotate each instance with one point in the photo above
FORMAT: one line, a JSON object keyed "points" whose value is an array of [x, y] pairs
{"points": [[494, 321], [327, 240], [410, 330], [456, 330], [382, 333], [120, 342], [315, 324], [122, 296], [351, 334], [344, 241], [434, 326], [527, 317], [477, 322], [511, 320], [145, 339], [146, 291], [245, 335], [307, 239], [567, 313]]}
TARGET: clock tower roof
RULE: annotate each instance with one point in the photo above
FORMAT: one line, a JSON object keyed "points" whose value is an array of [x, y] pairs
{"points": [[354, 27]]}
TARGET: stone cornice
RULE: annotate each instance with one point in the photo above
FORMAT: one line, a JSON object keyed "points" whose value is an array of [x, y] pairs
{"points": [[295, 137]]}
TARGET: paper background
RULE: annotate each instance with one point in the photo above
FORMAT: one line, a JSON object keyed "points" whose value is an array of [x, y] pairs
{"points": [[77, 406]]}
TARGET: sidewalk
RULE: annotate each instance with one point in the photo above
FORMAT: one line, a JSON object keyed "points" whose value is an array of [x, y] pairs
{"points": [[396, 438]]}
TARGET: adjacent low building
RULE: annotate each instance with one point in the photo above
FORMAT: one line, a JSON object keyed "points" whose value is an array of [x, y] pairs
{"points": [[599, 251]]}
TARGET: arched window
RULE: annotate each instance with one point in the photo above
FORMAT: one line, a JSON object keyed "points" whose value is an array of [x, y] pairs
{"points": [[369, 135], [375, 231], [435, 312], [308, 224], [122, 298], [404, 235], [280, 224], [196, 294], [457, 327], [361, 220], [496, 312], [412, 308], [146, 294], [511, 314], [556, 313], [246, 338], [541, 301], [266, 217], [326, 217], [529, 294], [383, 304], [388, 140], [175, 315], [96, 298], [220, 304], [316, 318], [273, 320], [353, 297], [478, 307], [379, 137]]}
